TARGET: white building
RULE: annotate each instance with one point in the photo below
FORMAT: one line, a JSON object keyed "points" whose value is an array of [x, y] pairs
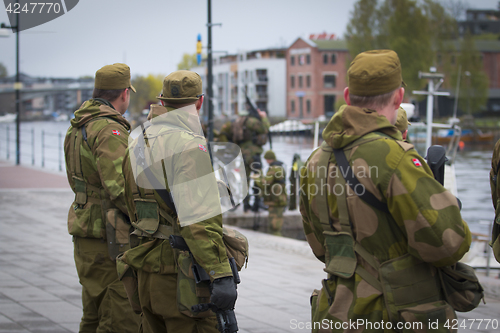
{"points": [[261, 73]]}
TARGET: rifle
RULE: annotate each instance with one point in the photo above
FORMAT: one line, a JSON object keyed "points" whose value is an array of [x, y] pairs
{"points": [[226, 319], [253, 113]]}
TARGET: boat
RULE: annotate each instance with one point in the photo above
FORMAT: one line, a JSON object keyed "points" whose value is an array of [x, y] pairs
{"points": [[8, 118], [468, 135], [290, 126]]}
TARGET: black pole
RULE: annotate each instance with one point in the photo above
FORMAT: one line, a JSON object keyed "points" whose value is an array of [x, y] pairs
{"points": [[209, 77], [17, 87]]}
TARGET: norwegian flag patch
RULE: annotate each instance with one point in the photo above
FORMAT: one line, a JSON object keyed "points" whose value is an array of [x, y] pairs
{"points": [[202, 148], [116, 132], [417, 162]]}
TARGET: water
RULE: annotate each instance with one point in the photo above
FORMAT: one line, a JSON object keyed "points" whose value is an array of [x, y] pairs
{"points": [[472, 165]]}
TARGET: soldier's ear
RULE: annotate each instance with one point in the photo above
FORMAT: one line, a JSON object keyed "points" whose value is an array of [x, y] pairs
{"points": [[199, 103], [346, 96]]}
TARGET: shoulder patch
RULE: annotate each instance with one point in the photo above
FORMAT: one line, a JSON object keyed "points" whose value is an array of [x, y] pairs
{"points": [[417, 162], [116, 132], [405, 145], [202, 148]]}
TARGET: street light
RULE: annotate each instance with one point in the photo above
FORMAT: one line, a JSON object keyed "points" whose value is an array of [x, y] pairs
{"points": [[17, 86], [467, 73]]}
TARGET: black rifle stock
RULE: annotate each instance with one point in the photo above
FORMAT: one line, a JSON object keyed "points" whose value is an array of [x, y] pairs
{"points": [[226, 319]]}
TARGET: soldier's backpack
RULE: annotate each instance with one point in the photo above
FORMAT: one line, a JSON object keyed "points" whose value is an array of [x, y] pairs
{"points": [[238, 130]]}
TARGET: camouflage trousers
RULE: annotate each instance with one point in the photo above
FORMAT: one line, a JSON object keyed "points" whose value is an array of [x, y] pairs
{"points": [[160, 314], [276, 219], [105, 304]]}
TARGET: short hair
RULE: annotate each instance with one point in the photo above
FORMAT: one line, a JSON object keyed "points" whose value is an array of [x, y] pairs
{"points": [[109, 95], [372, 102]]}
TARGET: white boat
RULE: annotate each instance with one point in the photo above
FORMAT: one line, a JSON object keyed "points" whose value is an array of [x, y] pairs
{"points": [[8, 118]]}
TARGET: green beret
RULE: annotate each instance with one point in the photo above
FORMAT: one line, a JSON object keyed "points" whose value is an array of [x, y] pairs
{"points": [[269, 155], [374, 73], [113, 77], [181, 87], [402, 120]]}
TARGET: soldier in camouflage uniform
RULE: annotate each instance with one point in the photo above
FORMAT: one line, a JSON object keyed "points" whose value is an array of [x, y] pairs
{"points": [[381, 262], [495, 196], [166, 284], [273, 190], [94, 146]]}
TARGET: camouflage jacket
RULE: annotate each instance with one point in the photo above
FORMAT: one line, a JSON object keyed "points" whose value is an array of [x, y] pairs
{"points": [[424, 220], [190, 161], [495, 196], [273, 185], [98, 166]]}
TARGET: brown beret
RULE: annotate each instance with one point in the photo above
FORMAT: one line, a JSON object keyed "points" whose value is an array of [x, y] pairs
{"points": [[181, 87], [374, 73], [112, 77]]}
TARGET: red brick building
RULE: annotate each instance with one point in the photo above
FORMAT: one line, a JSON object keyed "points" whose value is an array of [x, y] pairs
{"points": [[316, 77]]}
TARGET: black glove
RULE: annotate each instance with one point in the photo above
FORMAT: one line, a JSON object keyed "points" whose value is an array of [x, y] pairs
{"points": [[224, 293]]}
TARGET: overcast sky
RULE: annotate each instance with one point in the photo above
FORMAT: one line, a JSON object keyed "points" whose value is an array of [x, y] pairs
{"points": [[151, 35]]}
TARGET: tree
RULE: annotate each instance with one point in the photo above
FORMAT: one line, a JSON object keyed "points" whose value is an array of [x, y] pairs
{"points": [[362, 29], [473, 90], [417, 30], [3, 71], [148, 88], [188, 61]]}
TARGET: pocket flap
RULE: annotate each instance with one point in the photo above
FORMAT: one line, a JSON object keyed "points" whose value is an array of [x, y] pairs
{"points": [[340, 256]]}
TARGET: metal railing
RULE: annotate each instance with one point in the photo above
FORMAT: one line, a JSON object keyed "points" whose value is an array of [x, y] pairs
{"points": [[50, 147]]}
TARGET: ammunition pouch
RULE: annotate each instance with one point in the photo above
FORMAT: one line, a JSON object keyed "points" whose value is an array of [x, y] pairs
{"points": [[129, 279], [117, 232], [236, 246], [260, 139], [189, 292], [148, 216], [340, 257], [409, 283]]}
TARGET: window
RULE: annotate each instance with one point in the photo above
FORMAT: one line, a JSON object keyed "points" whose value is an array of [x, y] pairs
{"points": [[293, 106], [308, 106], [292, 81], [308, 59], [300, 81], [325, 59], [308, 81], [329, 105], [292, 60], [334, 59], [329, 81]]}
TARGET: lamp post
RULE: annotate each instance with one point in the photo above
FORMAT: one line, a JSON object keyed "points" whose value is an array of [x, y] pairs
{"points": [[17, 87], [467, 73]]}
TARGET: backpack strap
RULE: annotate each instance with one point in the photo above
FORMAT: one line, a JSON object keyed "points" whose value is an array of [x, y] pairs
{"points": [[352, 180], [327, 223]]}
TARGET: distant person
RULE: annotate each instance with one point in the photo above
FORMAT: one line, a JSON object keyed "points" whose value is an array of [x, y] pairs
{"points": [[495, 196], [273, 189], [382, 239], [402, 123], [94, 148]]}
